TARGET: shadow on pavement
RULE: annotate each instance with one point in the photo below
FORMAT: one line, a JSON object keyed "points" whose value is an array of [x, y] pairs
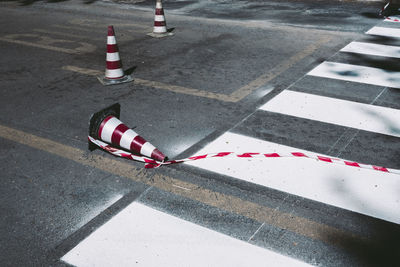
{"points": [[380, 245]]}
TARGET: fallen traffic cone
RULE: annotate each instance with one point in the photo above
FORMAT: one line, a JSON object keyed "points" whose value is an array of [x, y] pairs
{"points": [[114, 72], [106, 126], [160, 25]]}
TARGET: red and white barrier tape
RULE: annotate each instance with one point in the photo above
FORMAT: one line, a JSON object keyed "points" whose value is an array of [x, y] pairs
{"points": [[395, 19], [151, 163]]}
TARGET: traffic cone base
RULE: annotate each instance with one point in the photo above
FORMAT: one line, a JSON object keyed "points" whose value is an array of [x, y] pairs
{"points": [[108, 81], [160, 35], [97, 118]]}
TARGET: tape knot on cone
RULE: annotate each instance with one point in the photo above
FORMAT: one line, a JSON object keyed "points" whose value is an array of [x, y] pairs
{"points": [[114, 73], [160, 25], [106, 126]]}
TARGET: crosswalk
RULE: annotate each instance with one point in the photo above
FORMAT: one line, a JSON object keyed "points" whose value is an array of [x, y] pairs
{"points": [[316, 181], [371, 193]]}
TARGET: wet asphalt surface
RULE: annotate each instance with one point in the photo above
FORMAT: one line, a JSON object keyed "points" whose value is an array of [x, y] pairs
{"points": [[52, 201]]}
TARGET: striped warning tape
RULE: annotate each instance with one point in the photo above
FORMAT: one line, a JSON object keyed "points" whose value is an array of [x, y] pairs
{"points": [[151, 163], [395, 19]]}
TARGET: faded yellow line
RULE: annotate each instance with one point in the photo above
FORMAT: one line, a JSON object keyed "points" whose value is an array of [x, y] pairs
{"points": [[83, 70], [48, 47], [94, 23], [260, 213], [63, 34], [279, 69], [100, 36], [158, 85], [43, 41], [183, 90], [236, 95]]}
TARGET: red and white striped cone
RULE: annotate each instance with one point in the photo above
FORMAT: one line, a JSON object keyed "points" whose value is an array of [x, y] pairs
{"points": [[106, 126], [114, 73], [160, 25]]}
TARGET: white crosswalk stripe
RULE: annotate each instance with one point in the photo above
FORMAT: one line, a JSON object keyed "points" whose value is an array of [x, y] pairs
{"points": [[124, 241], [383, 31], [372, 49], [336, 111], [355, 73]]}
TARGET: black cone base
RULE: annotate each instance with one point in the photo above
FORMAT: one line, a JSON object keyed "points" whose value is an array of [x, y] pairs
{"points": [[97, 118]]}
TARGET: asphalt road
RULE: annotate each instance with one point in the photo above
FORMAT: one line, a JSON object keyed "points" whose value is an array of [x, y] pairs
{"points": [[225, 61]]}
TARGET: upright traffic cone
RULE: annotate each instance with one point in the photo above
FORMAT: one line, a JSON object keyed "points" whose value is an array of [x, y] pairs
{"points": [[160, 25], [106, 126], [114, 72]]}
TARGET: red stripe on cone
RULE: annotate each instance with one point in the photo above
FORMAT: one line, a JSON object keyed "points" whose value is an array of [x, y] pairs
{"points": [[118, 132], [137, 143], [158, 155], [113, 65], [159, 23], [112, 48], [102, 125], [159, 11], [111, 31]]}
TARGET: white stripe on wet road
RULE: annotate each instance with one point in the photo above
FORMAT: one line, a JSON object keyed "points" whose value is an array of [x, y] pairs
{"points": [[383, 31], [364, 191], [372, 49], [356, 115], [142, 236], [355, 73]]}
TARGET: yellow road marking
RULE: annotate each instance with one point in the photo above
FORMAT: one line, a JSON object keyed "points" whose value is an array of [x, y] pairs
{"points": [[233, 97], [260, 213], [158, 85], [124, 37], [279, 69], [63, 34], [95, 23], [83, 70], [46, 41]]}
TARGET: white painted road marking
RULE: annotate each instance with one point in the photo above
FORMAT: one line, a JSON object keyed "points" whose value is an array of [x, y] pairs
{"points": [[142, 236], [364, 191], [355, 73], [366, 117], [383, 31], [372, 49]]}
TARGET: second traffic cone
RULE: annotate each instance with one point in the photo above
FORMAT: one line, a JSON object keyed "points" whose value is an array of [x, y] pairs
{"points": [[160, 25], [106, 126], [114, 73]]}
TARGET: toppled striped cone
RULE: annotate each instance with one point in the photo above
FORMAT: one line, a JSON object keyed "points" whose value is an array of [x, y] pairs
{"points": [[114, 73], [106, 126], [160, 25]]}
